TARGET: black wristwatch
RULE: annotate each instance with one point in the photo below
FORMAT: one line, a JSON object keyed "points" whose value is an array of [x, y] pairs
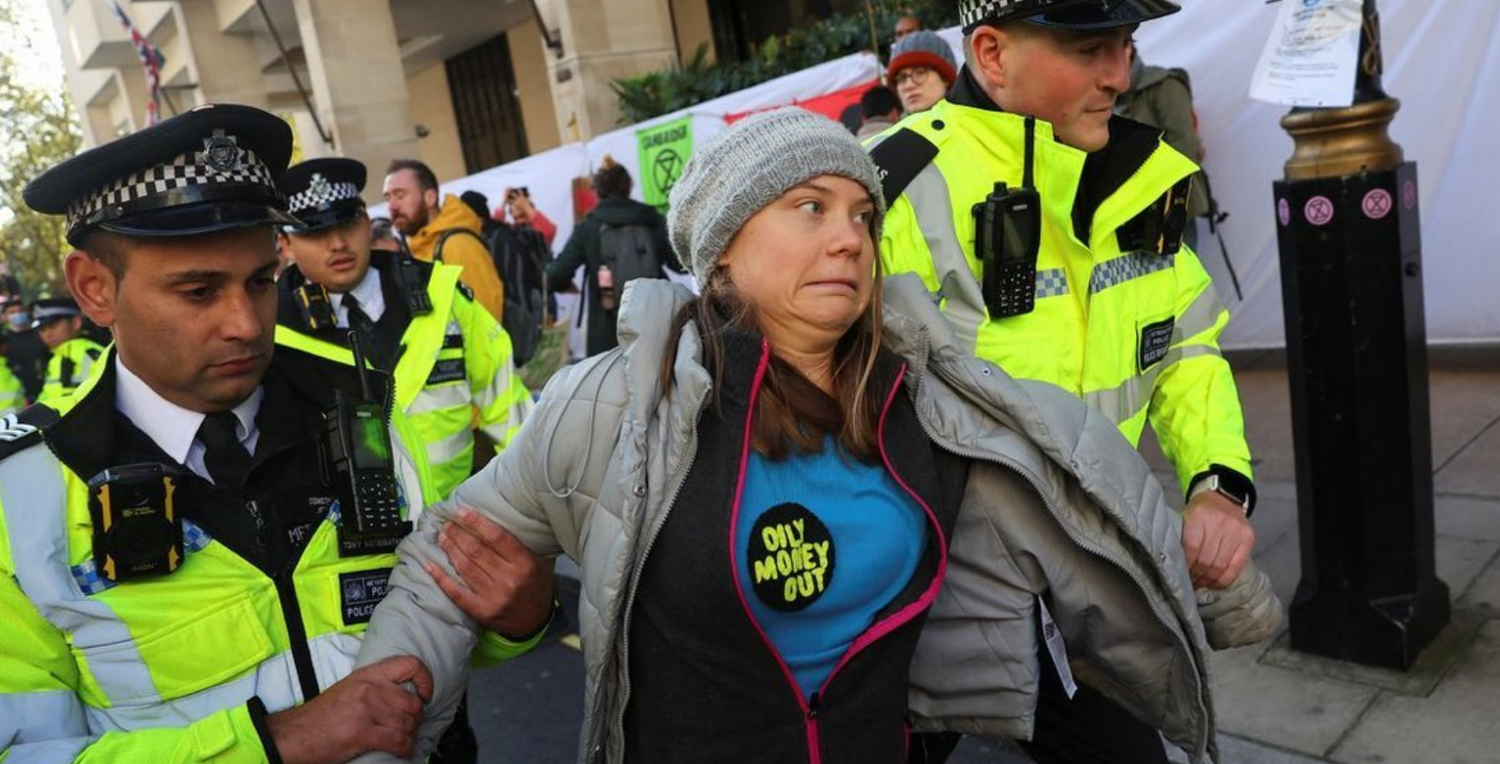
{"points": [[1227, 483]]}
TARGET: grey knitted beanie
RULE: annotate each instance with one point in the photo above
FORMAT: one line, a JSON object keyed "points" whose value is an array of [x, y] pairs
{"points": [[738, 172]]}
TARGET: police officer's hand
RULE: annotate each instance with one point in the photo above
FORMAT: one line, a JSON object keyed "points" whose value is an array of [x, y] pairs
{"points": [[1217, 538], [506, 588], [369, 710]]}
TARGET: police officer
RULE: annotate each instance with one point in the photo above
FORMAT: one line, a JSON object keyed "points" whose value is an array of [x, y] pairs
{"points": [[451, 360], [57, 321], [187, 560], [1051, 233]]}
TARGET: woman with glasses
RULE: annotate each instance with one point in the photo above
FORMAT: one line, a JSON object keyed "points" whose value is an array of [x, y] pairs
{"points": [[921, 71]]}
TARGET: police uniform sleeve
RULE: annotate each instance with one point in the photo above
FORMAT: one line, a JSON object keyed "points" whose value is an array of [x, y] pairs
{"points": [[43, 719], [903, 248], [1195, 406], [499, 394]]}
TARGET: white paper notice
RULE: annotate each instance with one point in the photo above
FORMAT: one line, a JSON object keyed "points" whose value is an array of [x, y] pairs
{"points": [[1312, 55]]}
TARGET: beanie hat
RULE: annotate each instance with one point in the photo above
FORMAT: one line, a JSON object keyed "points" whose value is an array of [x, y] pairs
{"points": [[738, 172], [923, 48]]}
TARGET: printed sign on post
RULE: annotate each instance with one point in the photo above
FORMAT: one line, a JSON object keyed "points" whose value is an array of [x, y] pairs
{"points": [[664, 151], [1312, 54]]}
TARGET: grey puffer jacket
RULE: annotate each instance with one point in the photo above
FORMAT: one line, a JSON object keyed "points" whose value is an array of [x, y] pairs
{"points": [[595, 470]]}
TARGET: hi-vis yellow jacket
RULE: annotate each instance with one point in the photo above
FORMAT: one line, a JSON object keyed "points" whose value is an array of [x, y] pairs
{"points": [[1133, 332], [71, 363], [455, 372], [181, 667], [12, 394]]}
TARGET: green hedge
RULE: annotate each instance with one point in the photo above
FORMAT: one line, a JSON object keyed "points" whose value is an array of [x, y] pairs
{"points": [[698, 80]]}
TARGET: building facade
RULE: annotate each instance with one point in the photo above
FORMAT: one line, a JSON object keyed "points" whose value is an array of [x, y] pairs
{"points": [[463, 85]]}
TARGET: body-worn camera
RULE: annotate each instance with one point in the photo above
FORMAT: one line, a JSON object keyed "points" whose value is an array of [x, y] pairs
{"points": [[137, 530], [314, 307]]}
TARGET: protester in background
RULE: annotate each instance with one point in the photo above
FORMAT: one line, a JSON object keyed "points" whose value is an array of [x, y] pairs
{"points": [[383, 235], [59, 324], [922, 69], [449, 232], [25, 353], [1163, 98], [519, 212], [620, 240], [906, 25], [480, 204], [879, 109]]}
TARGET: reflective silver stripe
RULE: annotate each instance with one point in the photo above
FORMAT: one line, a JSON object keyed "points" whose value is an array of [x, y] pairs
{"points": [[1123, 402], [47, 752], [273, 681], [928, 195], [440, 452], [1052, 282], [34, 716], [437, 398], [1126, 267], [1200, 316], [35, 503]]}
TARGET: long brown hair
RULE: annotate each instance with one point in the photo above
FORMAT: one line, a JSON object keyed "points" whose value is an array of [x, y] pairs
{"points": [[793, 415]]}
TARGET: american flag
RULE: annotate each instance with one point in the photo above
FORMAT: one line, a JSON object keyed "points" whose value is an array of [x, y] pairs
{"points": [[151, 60]]}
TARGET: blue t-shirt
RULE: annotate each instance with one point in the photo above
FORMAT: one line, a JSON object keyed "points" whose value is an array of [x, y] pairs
{"points": [[823, 543]]}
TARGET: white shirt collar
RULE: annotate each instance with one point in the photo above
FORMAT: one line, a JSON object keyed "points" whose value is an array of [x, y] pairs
{"points": [[172, 427], [369, 294]]}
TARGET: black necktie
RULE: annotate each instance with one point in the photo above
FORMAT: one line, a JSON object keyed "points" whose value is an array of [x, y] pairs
{"points": [[226, 459], [360, 322]]}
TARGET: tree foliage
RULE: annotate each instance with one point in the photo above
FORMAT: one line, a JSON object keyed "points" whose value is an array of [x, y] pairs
{"points": [[40, 131], [699, 80]]}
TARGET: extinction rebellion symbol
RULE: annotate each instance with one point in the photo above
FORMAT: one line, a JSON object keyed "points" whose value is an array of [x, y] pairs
{"points": [[666, 169]]}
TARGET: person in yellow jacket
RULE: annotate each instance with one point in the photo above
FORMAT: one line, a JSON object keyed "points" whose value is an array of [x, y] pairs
{"points": [[449, 232], [58, 323], [1050, 233], [451, 360], [185, 572]]}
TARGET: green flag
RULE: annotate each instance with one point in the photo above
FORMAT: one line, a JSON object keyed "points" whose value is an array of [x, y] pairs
{"points": [[664, 150]]}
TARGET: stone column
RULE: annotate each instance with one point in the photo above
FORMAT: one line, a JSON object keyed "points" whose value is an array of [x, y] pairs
{"points": [[358, 83], [228, 67], [603, 40]]}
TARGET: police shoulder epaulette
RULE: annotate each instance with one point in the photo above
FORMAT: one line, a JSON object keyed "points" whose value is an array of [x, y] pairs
{"points": [[22, 430], [464, 290], [899, 159]]}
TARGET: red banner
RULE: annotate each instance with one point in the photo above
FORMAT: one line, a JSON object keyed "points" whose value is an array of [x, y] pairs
{"points": [[830, 106]]}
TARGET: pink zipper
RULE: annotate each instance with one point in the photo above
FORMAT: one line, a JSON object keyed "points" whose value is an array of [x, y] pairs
{"points": [[891, 623]]}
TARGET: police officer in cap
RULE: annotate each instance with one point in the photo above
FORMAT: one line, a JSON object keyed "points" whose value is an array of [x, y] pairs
{"points": [[59, 324], [192, 543], [1051, 232], [450, 358]]}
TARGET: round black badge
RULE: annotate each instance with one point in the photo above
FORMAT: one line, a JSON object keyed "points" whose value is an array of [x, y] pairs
{"points": [[790, 556]]}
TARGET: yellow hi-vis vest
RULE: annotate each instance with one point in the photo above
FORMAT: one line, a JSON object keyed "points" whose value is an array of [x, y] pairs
{"points": [[1134, 333], [455, 374], [162, 669], [12, 392], [71, 363]]}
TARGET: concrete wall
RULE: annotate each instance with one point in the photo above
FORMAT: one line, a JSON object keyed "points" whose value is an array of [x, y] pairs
{"points": [[694, 27], [529, 57], [432, 108]]}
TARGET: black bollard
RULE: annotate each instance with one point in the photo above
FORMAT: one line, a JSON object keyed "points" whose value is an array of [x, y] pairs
{"points": [[1351, 274]]}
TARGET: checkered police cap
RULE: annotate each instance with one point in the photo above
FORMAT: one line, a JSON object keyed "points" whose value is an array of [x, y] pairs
{"points": [[1077, 15], [324, 192], [209, 169]]}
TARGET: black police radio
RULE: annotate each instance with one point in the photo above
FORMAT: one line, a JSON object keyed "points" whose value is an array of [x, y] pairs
{"points": [[1008, 239], [137, 529], [360, 453]]}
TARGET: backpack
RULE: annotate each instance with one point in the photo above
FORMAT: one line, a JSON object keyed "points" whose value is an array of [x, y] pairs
{"points": [[523, 274], [630, 252]]}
